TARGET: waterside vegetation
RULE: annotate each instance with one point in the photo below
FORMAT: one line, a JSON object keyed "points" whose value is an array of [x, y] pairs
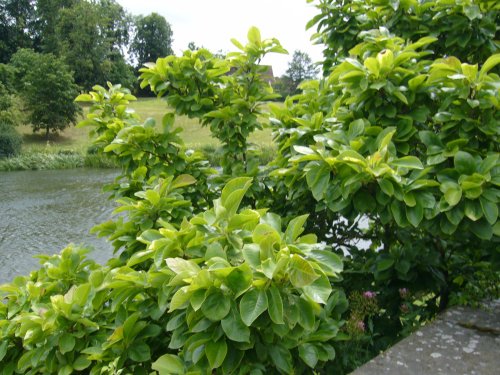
{"points": [[73, 148]]}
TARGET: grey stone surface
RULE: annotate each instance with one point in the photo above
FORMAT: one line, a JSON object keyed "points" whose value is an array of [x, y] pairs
{"points": [[462, 341]]}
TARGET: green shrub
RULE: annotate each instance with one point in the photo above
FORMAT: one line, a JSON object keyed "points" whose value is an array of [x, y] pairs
{"points": [[33, 160], [395, 149], [10, 141]]}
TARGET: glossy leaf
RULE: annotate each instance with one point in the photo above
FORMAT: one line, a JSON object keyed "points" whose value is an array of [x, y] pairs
{"points": [[308, 354], [252, 305], [318, 177], [168, 364], [295, 228], [275, 304], [234, 328], [281, 358], [330, 262], [216, 305], [216, 352], [301, 272]]}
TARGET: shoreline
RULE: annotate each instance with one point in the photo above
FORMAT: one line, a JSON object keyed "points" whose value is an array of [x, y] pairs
{"points": [[69, 159]]}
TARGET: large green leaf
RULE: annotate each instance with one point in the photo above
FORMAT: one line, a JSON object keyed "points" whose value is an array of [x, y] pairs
{"points": [[275, 304], [452, 192], [464, 163], [318, 177], [180, 266], [183, 180], [168, 364], [265, 233], [372, 64], [295, 228], [356, 128], [410, 162], [306, 313], [384, 264], [319, 290], [3, 349], [252, 304], [386, 186], [216, 352], [81, 363], [415, 214], [490, 210], [473, 210], [482, 229], [197, 299], [488, 163], [329, 262], [139, 352], [233, 193], [301, 272], [281, 358], [251, 253], [180, 299], [234, 328], [240, 280], [489, 64], [216, 306], [309, 354], [66, 343], [398, 212], [254, 35]]}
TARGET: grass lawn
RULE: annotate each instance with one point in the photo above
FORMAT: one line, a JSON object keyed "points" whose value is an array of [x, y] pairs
{"points": [[193, 134]]}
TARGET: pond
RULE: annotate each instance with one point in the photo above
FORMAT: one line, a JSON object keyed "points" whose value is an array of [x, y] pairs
{"points": [[43, 211]]}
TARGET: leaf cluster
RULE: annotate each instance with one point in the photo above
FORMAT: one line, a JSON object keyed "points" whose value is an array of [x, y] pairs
{"points": [[225, 94], [466, 29]]}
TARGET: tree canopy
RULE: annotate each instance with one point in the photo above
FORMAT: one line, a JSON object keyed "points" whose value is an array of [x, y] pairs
{"points": [[153, 39], [48, 90], [92, 37], [300, 68]]}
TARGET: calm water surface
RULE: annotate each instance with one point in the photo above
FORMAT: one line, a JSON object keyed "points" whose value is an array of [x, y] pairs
{"points": [[43, 211]]}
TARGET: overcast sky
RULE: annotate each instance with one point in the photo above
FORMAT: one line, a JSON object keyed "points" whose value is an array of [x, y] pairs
{"points": [[212, 24]]}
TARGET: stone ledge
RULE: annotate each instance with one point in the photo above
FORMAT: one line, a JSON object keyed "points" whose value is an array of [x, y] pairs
{"points": [[461, 341]]}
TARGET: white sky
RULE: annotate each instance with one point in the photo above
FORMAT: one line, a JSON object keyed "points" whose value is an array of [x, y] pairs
{"points": [[212, 24]]}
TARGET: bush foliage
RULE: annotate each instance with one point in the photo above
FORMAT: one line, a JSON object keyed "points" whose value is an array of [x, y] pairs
{"points": [[380, 209], [10, 140]]}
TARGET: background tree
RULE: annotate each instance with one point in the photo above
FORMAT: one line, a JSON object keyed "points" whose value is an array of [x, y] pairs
{"points": [[48, 90], [10, 140], [90, 39], [153, 39], [192, 46], [299, 69], [48, 14], [6, 93], [17, 21]]}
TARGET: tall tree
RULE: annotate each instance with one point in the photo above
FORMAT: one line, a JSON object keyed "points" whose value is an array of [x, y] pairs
{"points": [[17, 18], [299, 69], [91, 37], [48, 14], [48, 90], [153, 39]]}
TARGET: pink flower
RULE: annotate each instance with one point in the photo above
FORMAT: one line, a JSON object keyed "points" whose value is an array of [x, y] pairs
{"points": [[369, 294]]}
